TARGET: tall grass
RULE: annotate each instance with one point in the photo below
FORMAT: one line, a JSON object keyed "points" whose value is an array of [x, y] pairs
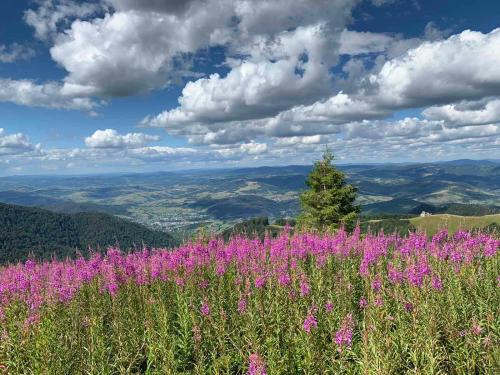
{"points": [[298, 304]]}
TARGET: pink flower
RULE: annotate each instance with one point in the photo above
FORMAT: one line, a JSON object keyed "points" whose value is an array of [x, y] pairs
{"points": [[242, 305], [180, 282], [476, 329], [437, 283], [394, 275], [408, 306], [260, 282], [256, 365], [343, 337], [490, 248], [329, 307], [203, 284], [376, 284], [205, 308], [363, 302], [305, 288], [310, 322], [284, 279]]}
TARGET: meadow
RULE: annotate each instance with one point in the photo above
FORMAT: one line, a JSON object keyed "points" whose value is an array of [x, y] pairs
{"points": [[302, 303], [432, 224]]}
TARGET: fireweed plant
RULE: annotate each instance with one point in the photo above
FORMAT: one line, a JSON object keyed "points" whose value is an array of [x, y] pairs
{"points": [[298, 304]]}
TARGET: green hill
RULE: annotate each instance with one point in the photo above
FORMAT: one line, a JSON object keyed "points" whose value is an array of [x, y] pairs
{"points": [[431, 224], [254, 227], [26, 231]]}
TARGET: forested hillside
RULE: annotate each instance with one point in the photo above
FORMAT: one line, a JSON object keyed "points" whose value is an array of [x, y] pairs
{"points": [[42, 233]]}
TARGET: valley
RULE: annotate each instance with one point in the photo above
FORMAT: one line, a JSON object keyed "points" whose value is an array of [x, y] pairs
{"points": [[182, 201]]}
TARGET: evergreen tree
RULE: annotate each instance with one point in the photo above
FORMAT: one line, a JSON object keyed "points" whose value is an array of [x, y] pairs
{"points": [[329, 202]]}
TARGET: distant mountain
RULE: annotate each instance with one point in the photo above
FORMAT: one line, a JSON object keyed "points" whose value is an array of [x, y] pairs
{"points": [[395, 206], [244, 206], [54, 204], [183, 200], [469, 162], [26, 231]]}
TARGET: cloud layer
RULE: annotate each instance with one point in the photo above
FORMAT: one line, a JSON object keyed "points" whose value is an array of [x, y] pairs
{"points": [[292, 77]]}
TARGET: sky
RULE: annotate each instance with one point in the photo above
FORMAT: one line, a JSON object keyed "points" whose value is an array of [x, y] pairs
{"points": [[146, 85]]}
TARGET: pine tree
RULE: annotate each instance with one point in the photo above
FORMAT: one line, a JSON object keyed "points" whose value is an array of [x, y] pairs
{"points": [[329, 202]]}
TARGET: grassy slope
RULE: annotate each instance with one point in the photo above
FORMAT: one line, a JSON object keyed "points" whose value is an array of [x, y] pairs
{"points": [[431, 224]]}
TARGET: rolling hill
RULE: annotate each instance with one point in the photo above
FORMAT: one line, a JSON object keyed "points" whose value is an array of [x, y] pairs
{"points": [[28, 231], [184, 200], [431, 224]]}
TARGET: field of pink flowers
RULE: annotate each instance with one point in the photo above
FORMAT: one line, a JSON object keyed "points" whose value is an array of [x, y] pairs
{"points": [[298, 304]]}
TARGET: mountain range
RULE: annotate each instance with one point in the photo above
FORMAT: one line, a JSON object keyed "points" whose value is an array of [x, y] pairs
{"points": [[181, 201]]}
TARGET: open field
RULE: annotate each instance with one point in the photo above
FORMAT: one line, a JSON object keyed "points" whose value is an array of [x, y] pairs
{"points": [[298, 304], [432, 224]]}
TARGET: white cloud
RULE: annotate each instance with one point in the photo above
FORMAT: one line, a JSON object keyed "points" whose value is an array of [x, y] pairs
{"points": [[50, 15], [124, 47], [15, 52], [464, 133], [463, 66], [279, 84], [466, 113], [130, 52], [162, 6], [110, 138], [356, 43], [417, 131], [261, 85], [307, 140], [15, 144], [322, 117], [254, 148], [49, 95], [140, 45]]}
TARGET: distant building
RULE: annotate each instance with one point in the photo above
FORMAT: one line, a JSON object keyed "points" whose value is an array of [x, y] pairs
{"points": [[424, 214]]}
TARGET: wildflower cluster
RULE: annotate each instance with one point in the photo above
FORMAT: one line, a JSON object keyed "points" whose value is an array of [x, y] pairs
{"points": [[305, 302]]}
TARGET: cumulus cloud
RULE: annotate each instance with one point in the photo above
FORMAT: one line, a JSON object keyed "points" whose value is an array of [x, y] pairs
{"points": [[464, 66], [162, 6], [253, 100], [124, 47], [307, 140], [357, 43], [126, 53], [254, 148], [161, 152], [258, 87], [412, 130], [466, 113], [51, 15], [132, 50], [110, 138], [15, 144], [15, 52], [49, 95], [281, 82], [322, 117]]}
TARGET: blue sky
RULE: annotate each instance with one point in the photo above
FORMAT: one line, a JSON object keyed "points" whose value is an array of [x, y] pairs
{"points": [[129, 85]]}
